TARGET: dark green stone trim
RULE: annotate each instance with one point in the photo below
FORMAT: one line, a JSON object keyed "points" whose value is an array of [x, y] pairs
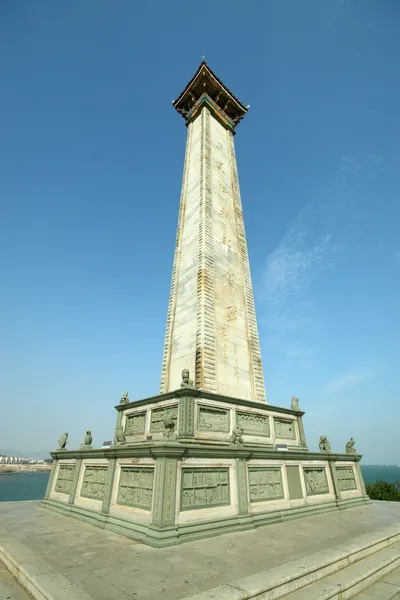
{"points": [[243, 498], [169, 536], [156, 449], [51, 479], [109, 485], [336, 488], [301, 431], [164, 495], [72, 495], [194, 393]]}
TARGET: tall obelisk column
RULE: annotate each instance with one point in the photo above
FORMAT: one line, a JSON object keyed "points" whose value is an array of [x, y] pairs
{"points": [[211, 323]]}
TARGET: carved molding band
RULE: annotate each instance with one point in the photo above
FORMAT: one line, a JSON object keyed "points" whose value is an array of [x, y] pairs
{"points": [[315, 479], [204, 488], [346, 478], [94, 481], [253, 424], [265, 484], [136, 487], [135, 423], [65, 479], [213, 419], [285, 429]]}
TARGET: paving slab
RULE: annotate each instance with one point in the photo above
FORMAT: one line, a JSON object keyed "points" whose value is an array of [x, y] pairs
{"points": [[9, 588], [76, 560]]}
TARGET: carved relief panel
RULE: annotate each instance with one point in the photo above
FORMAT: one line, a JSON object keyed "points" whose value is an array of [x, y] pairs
{"points": [[94, 481], [135, 423], [315, 480], [136, 487], [159, 414], [213, 419], [265, 484], [204, 488], [285, 429], [346, 478], [253, 424], [65, 478]]}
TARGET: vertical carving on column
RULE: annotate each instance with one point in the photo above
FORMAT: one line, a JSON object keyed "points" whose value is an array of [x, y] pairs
{"points": [[205, 339], [243, 498], [254, 343], [72, 494], [165, 492], [301, 431], [109, 485], [175, 269], [51, 478]]}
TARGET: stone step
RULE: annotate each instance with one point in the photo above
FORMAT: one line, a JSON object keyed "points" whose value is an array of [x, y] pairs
{"points": [[349, 581], [337, 573], [387, 588]]}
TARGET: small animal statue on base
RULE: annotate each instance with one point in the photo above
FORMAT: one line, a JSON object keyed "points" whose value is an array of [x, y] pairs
{"points": [[62, 442], [124, 398], [119, 436], [350, 447], [87, 442], [324, 445]]}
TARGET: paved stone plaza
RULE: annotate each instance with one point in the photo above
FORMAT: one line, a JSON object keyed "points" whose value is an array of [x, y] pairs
{"points": [[76, 561]]}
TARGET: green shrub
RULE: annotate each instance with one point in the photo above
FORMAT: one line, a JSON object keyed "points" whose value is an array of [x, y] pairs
{"points": [[382, 490]]}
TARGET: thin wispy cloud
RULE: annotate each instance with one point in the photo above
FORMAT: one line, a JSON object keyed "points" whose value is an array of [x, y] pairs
{"points": [[349, 379], [290, 267]]}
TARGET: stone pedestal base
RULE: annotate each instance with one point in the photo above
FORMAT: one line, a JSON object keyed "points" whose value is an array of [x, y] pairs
{"points": [[166, 484]]}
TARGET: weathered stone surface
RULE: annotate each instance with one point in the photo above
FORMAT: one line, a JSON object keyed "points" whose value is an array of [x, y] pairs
{"points": [[76, 558], [211, 323]]}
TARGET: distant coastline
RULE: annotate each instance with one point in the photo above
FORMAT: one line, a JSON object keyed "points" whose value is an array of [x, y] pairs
{"points": [[22, 469]]}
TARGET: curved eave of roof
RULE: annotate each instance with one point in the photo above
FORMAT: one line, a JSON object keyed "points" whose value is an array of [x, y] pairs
{"points": [[218, 81]]}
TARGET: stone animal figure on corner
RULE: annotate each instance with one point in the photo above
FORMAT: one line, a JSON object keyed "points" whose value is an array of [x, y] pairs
{"points": [[295, 403], [236, 437], [186, 381], [324, 445], [62, 442], [119, 436], [350, 447], [124, 398]]}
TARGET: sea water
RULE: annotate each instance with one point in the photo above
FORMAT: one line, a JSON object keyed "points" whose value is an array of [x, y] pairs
{"points": [[32, 486], [23, 486]]}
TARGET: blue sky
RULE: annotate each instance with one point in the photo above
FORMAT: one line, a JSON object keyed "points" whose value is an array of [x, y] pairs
{"points": [[91, 158]]}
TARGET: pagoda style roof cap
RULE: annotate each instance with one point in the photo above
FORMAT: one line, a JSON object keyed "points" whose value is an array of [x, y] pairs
{"points": [[206, 82]]}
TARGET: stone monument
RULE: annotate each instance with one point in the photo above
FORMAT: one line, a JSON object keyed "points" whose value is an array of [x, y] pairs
{"points": [[207, 455]]}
